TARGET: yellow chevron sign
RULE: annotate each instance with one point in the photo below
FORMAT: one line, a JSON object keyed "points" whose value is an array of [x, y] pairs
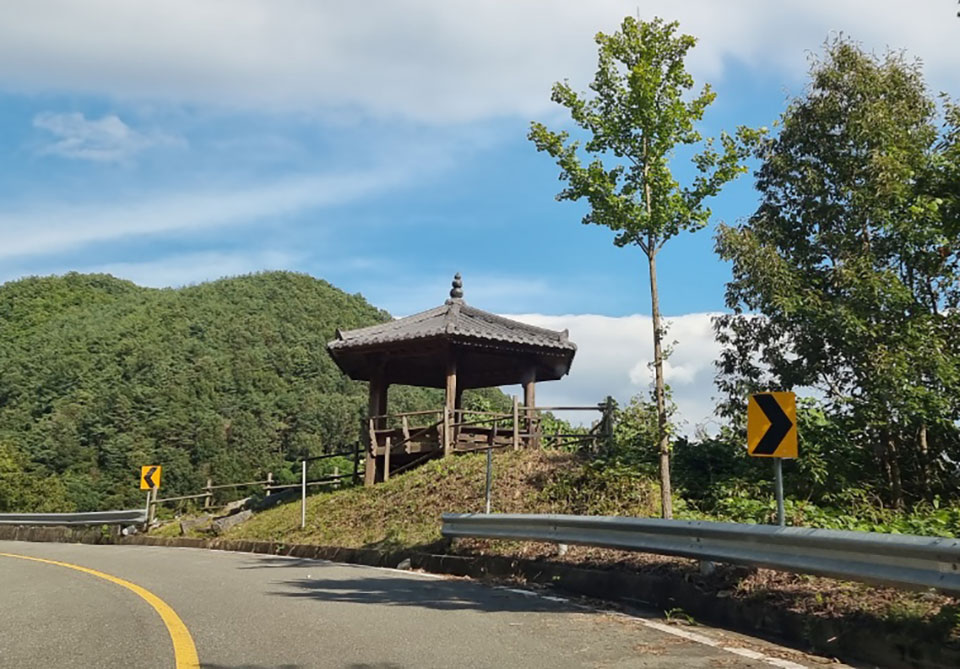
{"points": [[150, 477], [772, 425]]}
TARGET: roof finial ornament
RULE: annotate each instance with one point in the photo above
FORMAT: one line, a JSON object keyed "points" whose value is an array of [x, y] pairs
{"points": [[457, 291]]}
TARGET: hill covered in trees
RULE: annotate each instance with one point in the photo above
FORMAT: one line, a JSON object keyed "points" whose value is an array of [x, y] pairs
{"points": [[228, 379]]}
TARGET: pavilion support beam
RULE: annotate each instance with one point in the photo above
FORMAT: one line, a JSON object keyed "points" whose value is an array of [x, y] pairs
{"points": [[450, 405], [382, 405], [384, 466], [458, 415], [378, 395], [530, 402]]}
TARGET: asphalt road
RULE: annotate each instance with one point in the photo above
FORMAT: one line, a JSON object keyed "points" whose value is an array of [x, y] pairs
{"points": [[241, 610]]}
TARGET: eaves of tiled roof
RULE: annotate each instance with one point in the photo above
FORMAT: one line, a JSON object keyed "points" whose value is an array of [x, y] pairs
{"points": [[453, 319]]}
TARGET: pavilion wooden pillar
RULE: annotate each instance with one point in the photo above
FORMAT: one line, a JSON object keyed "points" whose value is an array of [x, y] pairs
{"points": [[458, 415], [376, 406], [449, 407], [530, 402], [382, 405], [382, 424]]}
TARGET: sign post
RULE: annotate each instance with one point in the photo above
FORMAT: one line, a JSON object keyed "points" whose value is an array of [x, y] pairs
{"points": [[303, 494], [489, 484], [778, 486], [772, 433]]}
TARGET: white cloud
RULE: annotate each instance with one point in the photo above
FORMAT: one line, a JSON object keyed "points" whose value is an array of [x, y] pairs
{"points": [[613, 358], [107, 139], [39, 229], [449, 60]]}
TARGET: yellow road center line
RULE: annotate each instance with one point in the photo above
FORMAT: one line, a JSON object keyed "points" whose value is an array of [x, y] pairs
{"points": [[184, 650]]}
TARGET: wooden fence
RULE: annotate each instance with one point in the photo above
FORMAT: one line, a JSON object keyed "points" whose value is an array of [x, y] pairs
{"points": [[268, 484]]}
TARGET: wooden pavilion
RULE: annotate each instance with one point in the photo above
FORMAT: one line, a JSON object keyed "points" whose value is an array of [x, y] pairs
{"points": [[454, 347]]}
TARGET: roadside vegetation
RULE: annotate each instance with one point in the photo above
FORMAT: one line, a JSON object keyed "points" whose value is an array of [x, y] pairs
{"points": [[845, 279]]}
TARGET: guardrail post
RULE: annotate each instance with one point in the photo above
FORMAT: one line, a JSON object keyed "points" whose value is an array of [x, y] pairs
{"points": [[268, 484], [208, 500]]}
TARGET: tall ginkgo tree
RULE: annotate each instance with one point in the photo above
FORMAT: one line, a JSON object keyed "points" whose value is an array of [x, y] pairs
{"points": [[638, 112]]}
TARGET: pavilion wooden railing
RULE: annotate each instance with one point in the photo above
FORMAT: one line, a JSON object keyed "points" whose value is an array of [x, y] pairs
{"points": [[385, 435], [466, 430], [600, 433]]}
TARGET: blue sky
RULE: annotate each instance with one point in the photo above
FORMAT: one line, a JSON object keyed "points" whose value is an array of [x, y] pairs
{"points": [[382, 146]]}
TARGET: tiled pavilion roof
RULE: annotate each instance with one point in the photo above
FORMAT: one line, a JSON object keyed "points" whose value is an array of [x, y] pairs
{"points": [[475, 337]]}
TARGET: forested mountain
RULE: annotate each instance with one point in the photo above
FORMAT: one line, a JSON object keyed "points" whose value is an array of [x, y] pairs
{"points": [[228, 379]]}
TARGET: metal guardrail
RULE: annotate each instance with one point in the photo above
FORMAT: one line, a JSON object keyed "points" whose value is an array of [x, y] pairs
{"points": [[131, 517], [884, 559]]}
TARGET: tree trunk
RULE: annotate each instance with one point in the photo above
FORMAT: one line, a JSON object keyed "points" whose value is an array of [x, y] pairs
{"points": [[663, 436], [896, 480], [925, 474], [883, 462]]}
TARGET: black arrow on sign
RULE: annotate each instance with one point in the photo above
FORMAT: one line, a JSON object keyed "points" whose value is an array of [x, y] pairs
{"points": [[153, 470], [779, 425]]}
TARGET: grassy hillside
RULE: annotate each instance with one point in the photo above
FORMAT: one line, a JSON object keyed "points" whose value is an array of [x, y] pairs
{"points": [[405, 511], [227, 379]]}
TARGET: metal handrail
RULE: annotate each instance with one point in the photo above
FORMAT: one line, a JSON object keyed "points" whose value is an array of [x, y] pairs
{"points": [[324, 481], [898, 560], [595, 407], [180, 497], [222, 486]]}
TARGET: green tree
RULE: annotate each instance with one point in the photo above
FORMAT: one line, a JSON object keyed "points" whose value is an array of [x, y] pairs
{"points": [[637, 115], [23, 490], [636, 434], [852, 262]]}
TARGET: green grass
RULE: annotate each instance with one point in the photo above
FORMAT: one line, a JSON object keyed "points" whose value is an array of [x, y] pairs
{"points": [[405, 511]]}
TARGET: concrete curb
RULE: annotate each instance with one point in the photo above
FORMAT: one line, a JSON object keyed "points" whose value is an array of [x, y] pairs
{"points": [[855, 640]]}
